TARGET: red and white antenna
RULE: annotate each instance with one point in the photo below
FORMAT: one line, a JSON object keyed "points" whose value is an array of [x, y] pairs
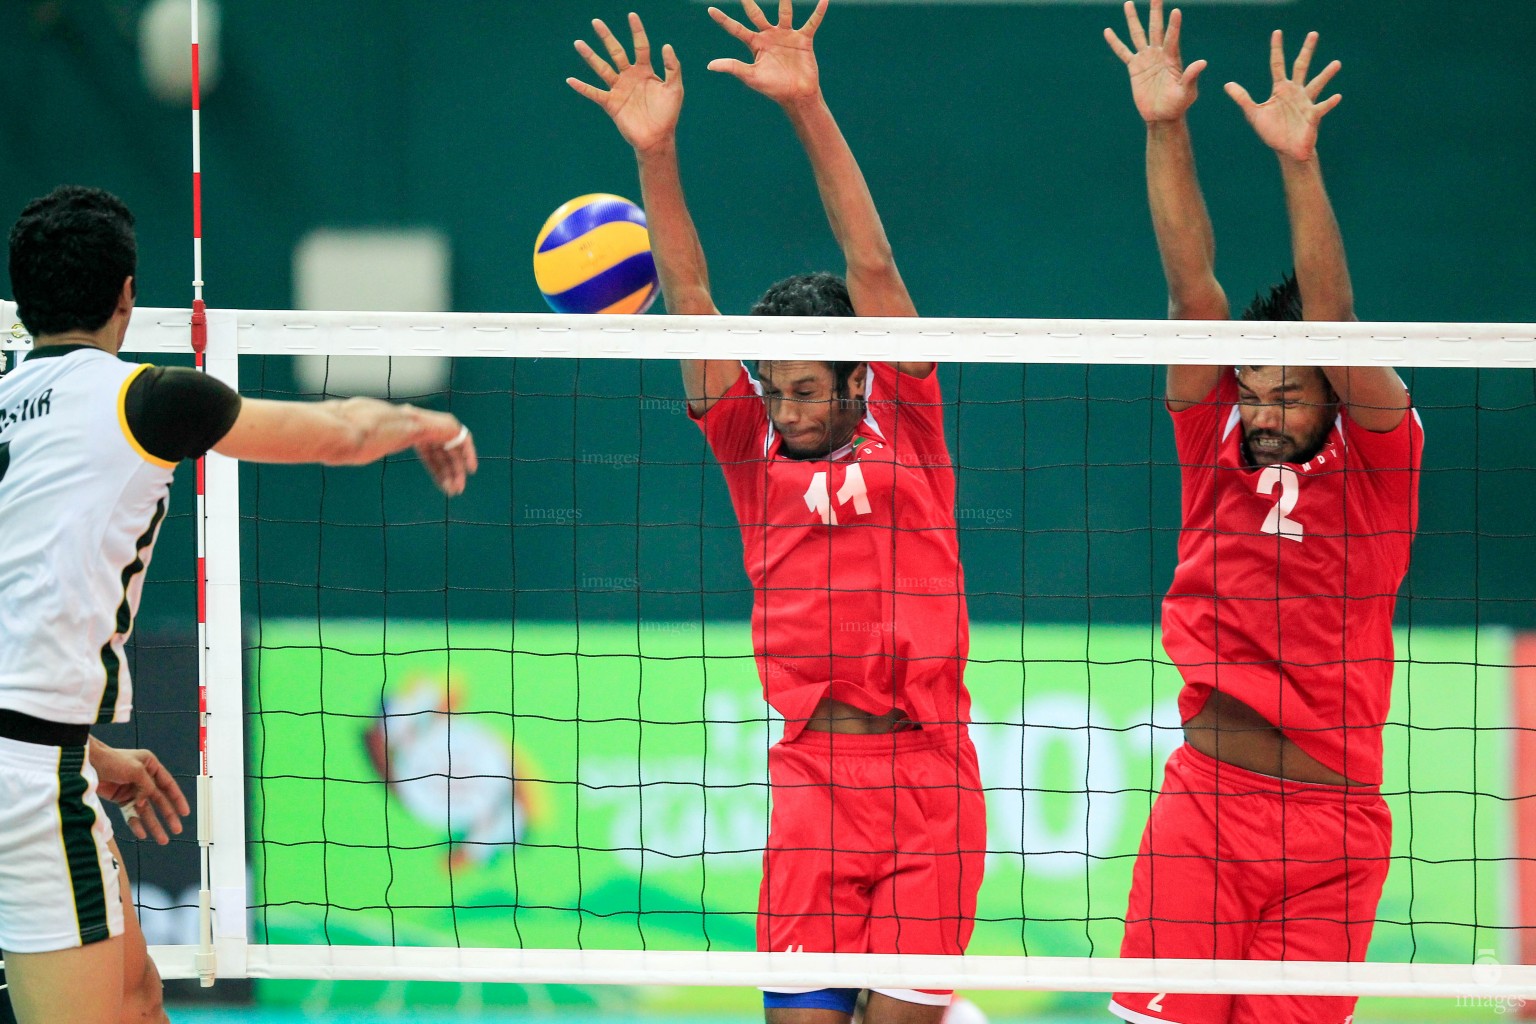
{"points": [[199, 312], [205, 959]]}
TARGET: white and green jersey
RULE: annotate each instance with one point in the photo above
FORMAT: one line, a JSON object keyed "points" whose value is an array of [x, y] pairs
{"points": [[88, 444]]}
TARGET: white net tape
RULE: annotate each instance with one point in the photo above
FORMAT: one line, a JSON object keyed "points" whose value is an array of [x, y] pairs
{"points": [[1121, 342]]}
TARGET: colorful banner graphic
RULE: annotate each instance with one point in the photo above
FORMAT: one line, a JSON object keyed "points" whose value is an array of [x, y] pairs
{"points": [[544, 785]]}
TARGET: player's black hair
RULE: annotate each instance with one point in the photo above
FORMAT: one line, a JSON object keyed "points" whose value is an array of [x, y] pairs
{"points": [[1282, 303], [71, 250], [818, 294]]}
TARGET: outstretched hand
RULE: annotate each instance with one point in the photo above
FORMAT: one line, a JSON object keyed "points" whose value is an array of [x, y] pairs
{"points": [[447, 450], [783, 66], [1287, 121], [1161, 85], [644, 108]]}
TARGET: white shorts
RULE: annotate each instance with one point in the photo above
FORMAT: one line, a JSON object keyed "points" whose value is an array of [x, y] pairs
{"points": [[58, 880]]}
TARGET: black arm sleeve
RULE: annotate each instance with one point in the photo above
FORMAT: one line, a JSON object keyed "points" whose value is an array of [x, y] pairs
{"points": [[176, 413]]}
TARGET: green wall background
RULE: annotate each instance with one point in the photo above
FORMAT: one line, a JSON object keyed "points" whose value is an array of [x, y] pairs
{"points": [[1004, 152]]}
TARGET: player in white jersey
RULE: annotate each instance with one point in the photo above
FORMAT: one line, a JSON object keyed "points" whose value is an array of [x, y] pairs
{"points": [[88, 443]]}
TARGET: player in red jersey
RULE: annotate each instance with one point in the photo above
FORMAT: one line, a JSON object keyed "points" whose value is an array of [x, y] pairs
{"points": [[844, 489], [1269, 839]]}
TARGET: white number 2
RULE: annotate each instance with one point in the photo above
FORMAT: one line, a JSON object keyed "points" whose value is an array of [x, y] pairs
{"points": [[817, 500], [1155, 1004], [1278, 520]]}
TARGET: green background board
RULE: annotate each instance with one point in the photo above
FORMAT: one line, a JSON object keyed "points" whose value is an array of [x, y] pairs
{"points": [[1008, 169], [611, 816]]}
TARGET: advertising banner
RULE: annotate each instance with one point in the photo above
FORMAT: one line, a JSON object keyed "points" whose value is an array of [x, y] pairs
{"points": [[604, 786]]}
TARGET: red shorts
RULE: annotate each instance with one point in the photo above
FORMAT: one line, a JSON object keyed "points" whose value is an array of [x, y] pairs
{"points": [[876, 845], [1242, 866]]}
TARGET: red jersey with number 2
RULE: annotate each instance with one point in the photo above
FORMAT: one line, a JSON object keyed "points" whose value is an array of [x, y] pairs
{"points": [[1288, 578], [854, 560]]}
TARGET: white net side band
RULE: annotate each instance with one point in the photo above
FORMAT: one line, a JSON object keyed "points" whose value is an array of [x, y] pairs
{"points": [[993, 973], [1127, 342]]}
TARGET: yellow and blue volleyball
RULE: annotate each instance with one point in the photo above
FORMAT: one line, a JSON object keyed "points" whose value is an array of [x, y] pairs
{"points": [[593, 255]]}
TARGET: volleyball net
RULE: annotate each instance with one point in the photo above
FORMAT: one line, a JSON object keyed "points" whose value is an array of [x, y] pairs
{"points": [[519, 736]]}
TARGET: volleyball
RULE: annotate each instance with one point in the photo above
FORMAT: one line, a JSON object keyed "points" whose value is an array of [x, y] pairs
{"points": [[593, 255]]}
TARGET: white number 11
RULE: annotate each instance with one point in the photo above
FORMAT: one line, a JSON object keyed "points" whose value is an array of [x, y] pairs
{"points": [[1278, 520], [817, 500]]}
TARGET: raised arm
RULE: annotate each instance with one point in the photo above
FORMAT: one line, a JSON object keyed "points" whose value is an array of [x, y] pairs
{"points": [[351, 432], [645, 109], [783, 68], [1163, 90], [1288, 122]]}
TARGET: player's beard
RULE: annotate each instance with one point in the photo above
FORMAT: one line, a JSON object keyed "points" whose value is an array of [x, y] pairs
{"points": [[1292, 450], [813, 452]]}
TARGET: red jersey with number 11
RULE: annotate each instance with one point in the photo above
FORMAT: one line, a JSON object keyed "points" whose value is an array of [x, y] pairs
{"points": [[854, 560], [1288, 577]]}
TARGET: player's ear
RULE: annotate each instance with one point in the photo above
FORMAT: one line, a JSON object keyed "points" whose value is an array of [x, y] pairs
{"points": [[124, 310], [1330, 396], [857, 379]]}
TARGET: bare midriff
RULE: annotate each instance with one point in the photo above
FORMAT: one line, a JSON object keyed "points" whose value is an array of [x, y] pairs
{"points": [[836, 716], [1232, 732]]}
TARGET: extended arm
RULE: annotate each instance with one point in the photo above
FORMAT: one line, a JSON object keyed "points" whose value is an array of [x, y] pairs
{"points": [[783, 68], [1185, 240], [874, 282], [681, 267], [1322, 271], [351, 432], [674, 240], [1163, 90], [1288, 122], [645, 109], [1374, 395]]}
